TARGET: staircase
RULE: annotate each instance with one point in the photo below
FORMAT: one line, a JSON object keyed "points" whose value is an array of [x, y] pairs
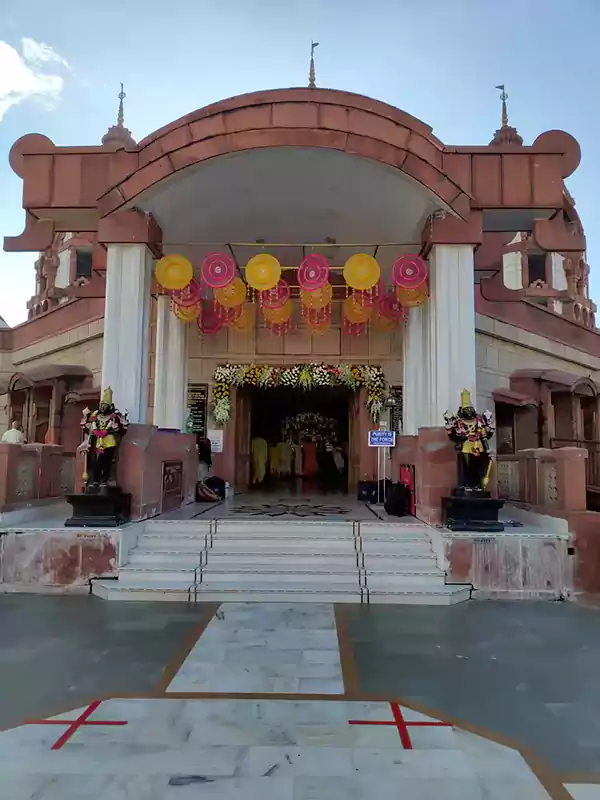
{"points": [[291, 561]]}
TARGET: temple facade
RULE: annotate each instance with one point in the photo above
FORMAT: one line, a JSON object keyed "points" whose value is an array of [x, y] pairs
{"points": [[288, 174]]}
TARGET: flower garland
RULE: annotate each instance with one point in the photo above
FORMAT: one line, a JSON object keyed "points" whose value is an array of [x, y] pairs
{"points": [[302, 376]]}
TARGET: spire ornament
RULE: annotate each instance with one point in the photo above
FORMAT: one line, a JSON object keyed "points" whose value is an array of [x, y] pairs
{"points": [[506, 134], [118, 136], [311, 71]]}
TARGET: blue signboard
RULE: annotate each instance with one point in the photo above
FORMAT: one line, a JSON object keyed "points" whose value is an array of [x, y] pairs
{"points": [[384, 438]]}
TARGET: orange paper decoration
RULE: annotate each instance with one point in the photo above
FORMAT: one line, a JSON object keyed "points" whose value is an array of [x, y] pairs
{"points": [[231, 295], [355, 312], [277, 316], [319, 298], [245, 321], [411, 298], [186, 313]]}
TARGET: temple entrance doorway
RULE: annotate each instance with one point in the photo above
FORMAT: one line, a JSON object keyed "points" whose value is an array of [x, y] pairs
{"points": [[299, 440]]}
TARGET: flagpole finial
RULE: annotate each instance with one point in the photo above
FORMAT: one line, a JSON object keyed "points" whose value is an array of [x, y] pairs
{"points": [[504, 98], [311, 72], [506, 134], [121, 115]]}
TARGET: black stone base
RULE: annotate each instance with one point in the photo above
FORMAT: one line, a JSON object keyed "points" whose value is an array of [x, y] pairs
{"points": [[104, 507], [472, 511]]}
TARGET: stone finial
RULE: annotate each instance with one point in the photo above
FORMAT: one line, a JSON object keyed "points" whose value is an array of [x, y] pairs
{"points": [[311, 71], [118, 135], [505, 134]]}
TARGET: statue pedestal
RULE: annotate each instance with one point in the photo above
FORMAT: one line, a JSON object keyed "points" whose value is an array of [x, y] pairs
{"points": [[106, 507], [472, 511]]}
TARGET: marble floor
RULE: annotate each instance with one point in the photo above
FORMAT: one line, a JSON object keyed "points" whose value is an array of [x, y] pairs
{"points": [[167, 749], [265, 648]]}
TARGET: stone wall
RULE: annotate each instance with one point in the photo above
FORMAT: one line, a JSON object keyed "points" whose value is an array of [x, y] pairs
{"points": [[42, 561], [81, 346], [501, 349]]}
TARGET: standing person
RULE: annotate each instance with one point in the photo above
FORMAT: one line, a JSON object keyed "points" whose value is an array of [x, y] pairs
{"points": [[14, 435], [204, 458]]}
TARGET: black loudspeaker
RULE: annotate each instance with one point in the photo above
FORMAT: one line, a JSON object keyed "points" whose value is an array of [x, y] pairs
{"points": [[367, 492], [397, 501]]}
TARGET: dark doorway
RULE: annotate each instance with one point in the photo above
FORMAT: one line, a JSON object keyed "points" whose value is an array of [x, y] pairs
{"points": [[299, 439]]}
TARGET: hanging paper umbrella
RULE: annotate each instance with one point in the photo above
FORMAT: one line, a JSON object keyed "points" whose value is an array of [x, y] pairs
{"points": [[354, 312], [313, 272], [389, 306], [210, 320], [245, 320], [276, 297], [217, 270], [409, 272], [228, 315], [190, 295], [361, 271], [318, 298], [384, 324], [186, 313], [231, 295], [411, 298], [354, 328], [319, 328], [173, 272], [280, 328], [278, 315], [314, 316], [263, 272], [366, 297]]}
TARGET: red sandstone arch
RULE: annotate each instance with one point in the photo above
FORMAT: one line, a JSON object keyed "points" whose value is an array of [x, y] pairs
{"points": [[320, 118], [71, 188]]}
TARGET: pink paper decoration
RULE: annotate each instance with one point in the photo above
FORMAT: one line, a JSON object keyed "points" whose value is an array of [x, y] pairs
{"points": [[313, 272], [409, 272], [217, 270]]}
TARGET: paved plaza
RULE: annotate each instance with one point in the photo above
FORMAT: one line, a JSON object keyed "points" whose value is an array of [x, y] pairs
{"points": [[147, 701]]}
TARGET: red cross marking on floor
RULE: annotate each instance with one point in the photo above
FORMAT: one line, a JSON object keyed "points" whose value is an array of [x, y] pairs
{"points": [[401, 724], [75, 724]]}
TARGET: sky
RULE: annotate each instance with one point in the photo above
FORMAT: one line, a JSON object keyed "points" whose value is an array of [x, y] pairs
{"points": [[61, 64]]}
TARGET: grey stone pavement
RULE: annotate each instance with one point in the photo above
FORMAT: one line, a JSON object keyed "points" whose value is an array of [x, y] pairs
{"points": [[60, 652], [529, 671]]}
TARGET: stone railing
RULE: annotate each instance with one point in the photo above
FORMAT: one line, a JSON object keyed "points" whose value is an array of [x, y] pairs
{"points": [[554, 480], [33, 472]]}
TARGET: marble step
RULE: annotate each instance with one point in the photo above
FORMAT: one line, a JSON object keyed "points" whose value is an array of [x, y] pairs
{"points": [[151, 593], [293, 527], [110, 590], [425, 595], [293, 546], [234, 560], [275, 577], [132, 576], [393, 546], [191, 526], [189, 544], [157, 558]]}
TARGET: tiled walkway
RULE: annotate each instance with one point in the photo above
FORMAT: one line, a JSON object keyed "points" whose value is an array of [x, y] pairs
{"points": [[258, 708], [265, 648]]}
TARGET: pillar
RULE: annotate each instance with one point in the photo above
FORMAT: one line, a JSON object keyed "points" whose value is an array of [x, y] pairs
{"points": [[415, 376], [439, 358], [170, 368], [126, 327]]}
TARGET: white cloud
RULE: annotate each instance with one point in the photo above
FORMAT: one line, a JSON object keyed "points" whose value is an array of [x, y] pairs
{"points": [[22, 76]]}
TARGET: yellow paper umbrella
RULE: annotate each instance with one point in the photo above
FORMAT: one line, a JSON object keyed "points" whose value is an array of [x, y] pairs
{"points": [[263, 272], [355, 312], [411, 298], [231, 295], [317, 299], [278, 315], [173, 272], [361, 271], [186, 313]]}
